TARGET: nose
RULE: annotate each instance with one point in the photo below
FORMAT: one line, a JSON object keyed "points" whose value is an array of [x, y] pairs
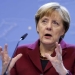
{"points": [[49, 27]]}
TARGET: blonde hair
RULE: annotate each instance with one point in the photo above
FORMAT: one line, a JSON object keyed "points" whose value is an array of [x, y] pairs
{"points": [[47, 10]]}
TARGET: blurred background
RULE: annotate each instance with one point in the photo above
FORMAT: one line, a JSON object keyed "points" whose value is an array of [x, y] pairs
{"points": [[17, 18]]}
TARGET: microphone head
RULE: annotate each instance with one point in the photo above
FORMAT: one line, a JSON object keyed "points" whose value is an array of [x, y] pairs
{"points": [[24, 36]]}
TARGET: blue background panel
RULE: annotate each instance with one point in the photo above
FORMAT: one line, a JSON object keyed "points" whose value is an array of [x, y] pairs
{"points": [[17, 18]]}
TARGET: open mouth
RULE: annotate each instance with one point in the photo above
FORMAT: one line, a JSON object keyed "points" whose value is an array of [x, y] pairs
{"points": [[48, 36]]}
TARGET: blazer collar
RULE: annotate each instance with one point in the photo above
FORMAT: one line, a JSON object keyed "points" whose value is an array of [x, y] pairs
{"points": [[34, 45], [34, 55], [63, 46]]}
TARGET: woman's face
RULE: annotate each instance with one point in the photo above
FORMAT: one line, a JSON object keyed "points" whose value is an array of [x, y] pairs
{"points": [[50, 28]]}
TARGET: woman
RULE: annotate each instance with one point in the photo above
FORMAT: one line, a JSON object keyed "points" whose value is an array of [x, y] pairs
{"points": [[49, 55]]}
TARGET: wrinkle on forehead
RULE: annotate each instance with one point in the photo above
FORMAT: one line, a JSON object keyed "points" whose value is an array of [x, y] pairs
{"points": [[56, 16]]}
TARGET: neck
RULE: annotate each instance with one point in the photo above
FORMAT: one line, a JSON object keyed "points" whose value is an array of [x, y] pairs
{"points": [[47, 49]]}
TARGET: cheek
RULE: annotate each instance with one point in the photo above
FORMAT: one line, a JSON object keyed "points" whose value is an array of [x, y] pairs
{"points": [[40, 30], [58, 33]]}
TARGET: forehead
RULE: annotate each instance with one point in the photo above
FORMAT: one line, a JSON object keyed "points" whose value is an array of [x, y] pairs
{"points": [[53, 15], [56, 15]]}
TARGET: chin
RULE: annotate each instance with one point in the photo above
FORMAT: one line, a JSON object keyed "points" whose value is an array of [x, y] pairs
{"points": [[48, 42]]}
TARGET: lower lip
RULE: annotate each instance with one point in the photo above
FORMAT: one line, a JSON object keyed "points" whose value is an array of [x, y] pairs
{"points": [[47, 37]]}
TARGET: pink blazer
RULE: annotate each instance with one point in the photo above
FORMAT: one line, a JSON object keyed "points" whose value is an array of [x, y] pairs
{"points": [[30, 64]]}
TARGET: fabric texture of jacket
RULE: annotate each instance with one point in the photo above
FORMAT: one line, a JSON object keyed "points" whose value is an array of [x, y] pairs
{"points": [[30, 64]]}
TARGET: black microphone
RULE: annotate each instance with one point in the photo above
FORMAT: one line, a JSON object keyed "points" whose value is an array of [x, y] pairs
{"points": [[22, 38]]}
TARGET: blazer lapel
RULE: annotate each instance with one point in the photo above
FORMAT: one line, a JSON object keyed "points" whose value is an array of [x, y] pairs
{"points": [[34, 56], [49, 65]]}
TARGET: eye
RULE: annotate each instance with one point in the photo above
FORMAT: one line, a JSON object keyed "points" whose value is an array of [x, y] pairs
{"points": [[55, 22], [44, 20]]}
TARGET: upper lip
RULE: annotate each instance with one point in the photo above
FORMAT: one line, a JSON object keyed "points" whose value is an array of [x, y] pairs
{"points": [[48, 34]]}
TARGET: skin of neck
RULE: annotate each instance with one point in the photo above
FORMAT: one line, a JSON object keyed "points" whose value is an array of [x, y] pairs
{"points": [[46, 48]]}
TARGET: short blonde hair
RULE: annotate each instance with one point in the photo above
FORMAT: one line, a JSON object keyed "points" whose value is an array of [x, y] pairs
{"points": [[47, 10]]}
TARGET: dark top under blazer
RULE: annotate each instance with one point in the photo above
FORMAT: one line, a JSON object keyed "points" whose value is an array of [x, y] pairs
{"points": [[30, 64]]}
